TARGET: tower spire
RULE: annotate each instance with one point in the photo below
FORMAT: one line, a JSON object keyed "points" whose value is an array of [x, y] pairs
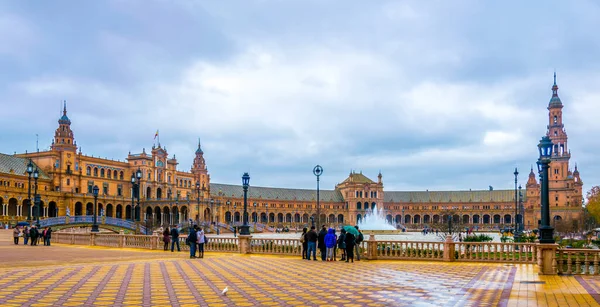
{"points": [[64, 107]]}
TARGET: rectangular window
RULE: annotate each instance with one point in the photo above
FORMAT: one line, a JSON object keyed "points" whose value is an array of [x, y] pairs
{"points": [[68, 181], [105, 189], [119, 190], [90, 187]]}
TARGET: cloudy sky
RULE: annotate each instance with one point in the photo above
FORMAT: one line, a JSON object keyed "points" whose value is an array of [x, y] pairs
{"points": [[448, 95]]}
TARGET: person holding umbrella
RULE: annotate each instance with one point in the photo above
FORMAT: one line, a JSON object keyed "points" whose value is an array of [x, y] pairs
{"points": [[349, 240]]}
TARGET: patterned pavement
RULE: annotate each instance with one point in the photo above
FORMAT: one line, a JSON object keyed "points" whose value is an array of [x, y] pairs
{"points": [[159, 278]]}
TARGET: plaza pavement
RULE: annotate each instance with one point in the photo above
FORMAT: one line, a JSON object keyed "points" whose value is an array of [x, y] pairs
{"points": [[64, 275]]}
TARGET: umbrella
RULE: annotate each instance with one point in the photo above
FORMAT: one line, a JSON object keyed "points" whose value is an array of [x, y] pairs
{"points": [[351, 229], [22, 224]]}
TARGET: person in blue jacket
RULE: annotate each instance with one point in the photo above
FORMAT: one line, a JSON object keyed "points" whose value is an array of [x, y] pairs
{"points": [[330, 241]]}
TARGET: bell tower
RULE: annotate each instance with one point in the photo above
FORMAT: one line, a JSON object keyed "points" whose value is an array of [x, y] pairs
{"points": [[63, 136], [559, 165], [199, 168]]}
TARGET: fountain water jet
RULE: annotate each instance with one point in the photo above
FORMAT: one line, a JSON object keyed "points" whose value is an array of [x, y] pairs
{"points": [[374, 222]]}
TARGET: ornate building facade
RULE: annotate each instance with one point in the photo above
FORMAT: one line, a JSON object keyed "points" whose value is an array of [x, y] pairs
{"points": [[170, 196]]}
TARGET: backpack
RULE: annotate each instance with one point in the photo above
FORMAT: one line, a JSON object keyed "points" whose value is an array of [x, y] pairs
{"points": [[302, 239], [205, 239], [360, 238]]}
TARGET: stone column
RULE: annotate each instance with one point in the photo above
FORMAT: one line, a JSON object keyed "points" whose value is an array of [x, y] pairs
{"points": [[121, 238], [154, 240], [547, 259], [372, 248], [244, 244], [449, 249]]}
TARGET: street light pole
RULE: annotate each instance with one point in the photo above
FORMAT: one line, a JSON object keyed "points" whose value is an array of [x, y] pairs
{"points": [[245, 183], [545, 150], [198, 202], [521, 211], [317, 171], [29, 172], [515, 230], [95, 225], [36, 198]]}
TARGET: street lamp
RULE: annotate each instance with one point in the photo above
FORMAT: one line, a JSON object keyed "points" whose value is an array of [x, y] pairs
{"points": [[545, 150], [318, 171], [212, 203], [244, 231], [29, 172], [521, 211], [95, 225], [36, 197], [198, 201], [516, 233], [138, 176]]}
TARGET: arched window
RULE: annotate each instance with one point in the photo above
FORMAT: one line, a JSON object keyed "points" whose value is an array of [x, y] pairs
{"points": [[89, 171], [121, 175], [101, 172], [108, 174], [115, 174], [358, 205], [95, 172]]}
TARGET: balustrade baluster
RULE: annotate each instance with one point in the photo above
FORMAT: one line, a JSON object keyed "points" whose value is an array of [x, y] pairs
{"points": [[568, 263], [586, 265]]}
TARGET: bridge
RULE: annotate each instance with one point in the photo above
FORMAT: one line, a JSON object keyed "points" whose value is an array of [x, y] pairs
{"points": [[104, 222]]}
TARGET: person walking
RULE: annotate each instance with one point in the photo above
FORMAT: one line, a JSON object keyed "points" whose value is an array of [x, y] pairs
{"points": [[201, 241], [359, 239], [166, 239], [342, 243], [16, 234], [192, 239], [350, 241], [304, 242], [25, 235], [33, 235], [330, 241], [47, 236], [312, 239], [174, 238], [321, 244]]}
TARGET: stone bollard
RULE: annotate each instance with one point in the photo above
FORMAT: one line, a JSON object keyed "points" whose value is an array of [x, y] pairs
{"points": [[92, 238], [547, 259], [372, 248], [449, 248], [154, 240], [244, 244], [121, 238]]}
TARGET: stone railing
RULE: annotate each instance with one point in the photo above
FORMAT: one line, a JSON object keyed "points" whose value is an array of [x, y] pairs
{"points": [[549, 258], [496, 252], [276, 246], [577, 261], [409, 250]]}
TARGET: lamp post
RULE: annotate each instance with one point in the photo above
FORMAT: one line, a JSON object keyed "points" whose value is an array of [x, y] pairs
{"points": [[198, 202], [29, 172], [254, 216], [545, 150], [212, 203], [95, 225], [521, 211], [132, 196], [36, 197], [449, 224], [318, 171], [138, 176], [515, 230], [244, 231]]}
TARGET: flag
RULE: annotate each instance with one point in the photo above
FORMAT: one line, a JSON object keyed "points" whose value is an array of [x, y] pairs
{"points": [[156, 134]]}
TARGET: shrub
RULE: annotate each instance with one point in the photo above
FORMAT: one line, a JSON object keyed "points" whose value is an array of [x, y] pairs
{"points": [[478, 238]]}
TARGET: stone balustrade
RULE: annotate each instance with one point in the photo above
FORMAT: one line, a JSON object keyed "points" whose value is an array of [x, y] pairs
{"points": [[549, 258], [496, 252], [577, 261]]}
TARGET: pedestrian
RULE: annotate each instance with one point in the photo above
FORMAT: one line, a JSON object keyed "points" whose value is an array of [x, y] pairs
{"points": [[192, 239], [25, 235], [174, 239], [304, 242], [48, 236], [312, 239], [342, 244], [201, 241], [16, 234], [359, 240], [234, 231], [330, 241], [33, 235], [321, 243], [166, 239], [350, 241]]}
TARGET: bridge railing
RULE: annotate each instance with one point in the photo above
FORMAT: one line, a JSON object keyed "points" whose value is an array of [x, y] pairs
{"points": [[89, 219]]}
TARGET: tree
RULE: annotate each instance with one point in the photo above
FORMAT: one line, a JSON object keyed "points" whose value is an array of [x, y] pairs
{"points": [[593, 205], [446, 228]]}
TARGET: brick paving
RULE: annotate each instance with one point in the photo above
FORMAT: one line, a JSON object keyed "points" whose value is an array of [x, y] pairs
{"points": [[86, 276]]}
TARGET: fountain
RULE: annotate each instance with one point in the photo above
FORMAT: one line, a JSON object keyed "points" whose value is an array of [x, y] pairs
{"points": [[374, 222]]}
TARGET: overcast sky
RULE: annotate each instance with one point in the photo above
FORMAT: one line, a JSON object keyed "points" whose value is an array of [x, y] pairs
{"points": [[438, 95]]}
